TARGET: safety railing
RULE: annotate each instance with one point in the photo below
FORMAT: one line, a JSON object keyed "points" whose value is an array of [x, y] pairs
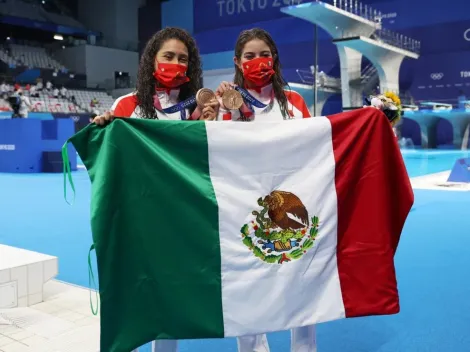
{"points": [[323, 80]]}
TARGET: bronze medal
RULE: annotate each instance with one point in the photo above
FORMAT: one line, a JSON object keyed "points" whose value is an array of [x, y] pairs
{"points": [[232, 99], [204, 96]]}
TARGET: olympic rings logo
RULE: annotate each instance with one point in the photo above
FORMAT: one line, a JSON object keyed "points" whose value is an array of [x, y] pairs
{"points": [[437, 76], [466, 35], [75, 118]]}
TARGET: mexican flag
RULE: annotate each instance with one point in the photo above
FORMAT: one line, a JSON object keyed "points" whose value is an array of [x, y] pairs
{"points": [[215, 229]]}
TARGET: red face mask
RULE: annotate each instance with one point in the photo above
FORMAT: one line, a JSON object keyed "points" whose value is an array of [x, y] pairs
{"points": [[171, 75], [258, 71]]}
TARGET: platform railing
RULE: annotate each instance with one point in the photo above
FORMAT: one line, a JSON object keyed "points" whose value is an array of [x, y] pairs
{"points": [[323, 80], [354, 7], [369, 13], [396, 39], [326, 81], [386, 36]]}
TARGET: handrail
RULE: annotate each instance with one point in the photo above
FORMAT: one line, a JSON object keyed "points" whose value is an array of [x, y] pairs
{"points": [[323, 80], [367, 12]]}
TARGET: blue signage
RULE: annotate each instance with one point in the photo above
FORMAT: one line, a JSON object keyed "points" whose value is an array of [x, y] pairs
{"points": [[440, 76], [216, 14]]}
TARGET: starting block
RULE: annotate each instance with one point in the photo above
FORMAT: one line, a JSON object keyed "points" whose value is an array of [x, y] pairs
{"points": [[461, 171], [23, 275]]}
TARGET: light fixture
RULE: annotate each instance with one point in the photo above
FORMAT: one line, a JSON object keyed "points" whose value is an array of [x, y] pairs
{"points": [[58, 37], [8, 38]]}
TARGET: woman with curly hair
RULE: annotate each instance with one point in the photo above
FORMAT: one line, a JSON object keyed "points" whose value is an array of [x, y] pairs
{"points": [[259, 80], [169, 76]]}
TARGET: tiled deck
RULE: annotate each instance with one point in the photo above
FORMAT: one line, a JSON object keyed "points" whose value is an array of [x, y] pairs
{"points": [[62, 323]]}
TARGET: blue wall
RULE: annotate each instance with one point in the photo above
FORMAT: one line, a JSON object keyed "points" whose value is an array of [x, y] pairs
{"points": [[24, 142], [178, 13]]}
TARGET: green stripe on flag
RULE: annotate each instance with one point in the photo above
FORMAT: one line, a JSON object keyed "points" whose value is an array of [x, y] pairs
{"points": [[150, 277]]}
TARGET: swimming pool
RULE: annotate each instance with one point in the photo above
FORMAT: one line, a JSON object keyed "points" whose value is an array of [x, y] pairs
{"points": [[423, 162]]}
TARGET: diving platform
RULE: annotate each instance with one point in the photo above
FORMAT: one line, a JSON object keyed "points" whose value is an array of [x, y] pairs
{"points": [[356, 36], [336, 21]]}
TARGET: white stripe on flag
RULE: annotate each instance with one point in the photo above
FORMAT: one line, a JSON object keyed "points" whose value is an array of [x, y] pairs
{"points": [[249, 161]]}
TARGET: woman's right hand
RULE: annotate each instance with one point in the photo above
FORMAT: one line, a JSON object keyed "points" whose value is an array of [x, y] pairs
{"points": [[221, 89], [103, 119]]}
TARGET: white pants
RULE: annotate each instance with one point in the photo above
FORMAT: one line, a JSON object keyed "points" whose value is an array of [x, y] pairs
{"points": [[302, 340]]}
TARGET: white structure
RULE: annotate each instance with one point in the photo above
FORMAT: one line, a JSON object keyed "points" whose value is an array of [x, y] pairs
{"points": [[385, 57], [352, 34], [23, 275]]}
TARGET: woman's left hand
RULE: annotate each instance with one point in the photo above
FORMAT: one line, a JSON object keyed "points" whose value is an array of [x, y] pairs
{"points": [[210, 111]]}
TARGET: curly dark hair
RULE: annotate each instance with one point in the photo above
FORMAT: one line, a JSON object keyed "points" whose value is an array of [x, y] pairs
{"points": [[146, 82], [277, 80]]}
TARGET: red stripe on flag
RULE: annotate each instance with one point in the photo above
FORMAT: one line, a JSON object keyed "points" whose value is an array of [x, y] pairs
{"points": [[374, 198]]}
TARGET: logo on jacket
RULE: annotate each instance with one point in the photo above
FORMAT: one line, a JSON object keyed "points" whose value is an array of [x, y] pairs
{"points": [[280, 230], [437, 76]]}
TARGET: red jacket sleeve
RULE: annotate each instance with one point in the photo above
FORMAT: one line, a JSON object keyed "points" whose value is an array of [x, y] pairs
{"points": [[298, 102]]}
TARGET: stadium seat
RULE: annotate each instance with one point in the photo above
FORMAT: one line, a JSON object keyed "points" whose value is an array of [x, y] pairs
{"points": [[34, 57], [47, 103]]}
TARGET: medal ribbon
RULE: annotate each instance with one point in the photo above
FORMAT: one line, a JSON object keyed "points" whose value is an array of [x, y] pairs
{"points": [[250, 101], [250, 98], [181, 107]]}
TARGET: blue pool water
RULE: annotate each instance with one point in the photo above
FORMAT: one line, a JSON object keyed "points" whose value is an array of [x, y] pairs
{"points": [[419, 162]]}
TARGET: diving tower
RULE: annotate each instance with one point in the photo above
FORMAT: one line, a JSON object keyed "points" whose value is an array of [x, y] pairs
{"points": [[355, 36]]}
